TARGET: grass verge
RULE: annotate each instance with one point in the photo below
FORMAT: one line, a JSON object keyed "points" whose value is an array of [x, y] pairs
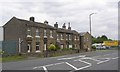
{"points": [[12, 58]]}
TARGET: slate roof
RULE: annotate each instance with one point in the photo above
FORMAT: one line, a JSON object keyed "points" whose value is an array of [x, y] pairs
{"points": [[82, 33], [67, 31], [37, 24], [43, 25]]}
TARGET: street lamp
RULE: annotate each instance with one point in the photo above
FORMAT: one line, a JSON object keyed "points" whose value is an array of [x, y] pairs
{"points": [[90, 20], [90, 26]]}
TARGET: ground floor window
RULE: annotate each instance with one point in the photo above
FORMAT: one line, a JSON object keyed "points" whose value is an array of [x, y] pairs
{"points": [[62, 46], [37, 47], [45, 47], [70, 46]]}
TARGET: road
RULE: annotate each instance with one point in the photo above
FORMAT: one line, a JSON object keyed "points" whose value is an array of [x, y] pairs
{"points": [[96, 60]]}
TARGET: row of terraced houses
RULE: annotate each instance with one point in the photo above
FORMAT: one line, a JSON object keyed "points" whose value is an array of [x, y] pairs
{"points": [[35, 37]]}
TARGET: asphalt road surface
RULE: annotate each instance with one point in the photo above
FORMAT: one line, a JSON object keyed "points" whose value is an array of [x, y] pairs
{"points": [[96, 60]]}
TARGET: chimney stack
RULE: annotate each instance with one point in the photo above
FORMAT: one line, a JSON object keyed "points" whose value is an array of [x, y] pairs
{"points": [[64, 27], [32, 19], [69, 26], [45, 22], [56, 25]]}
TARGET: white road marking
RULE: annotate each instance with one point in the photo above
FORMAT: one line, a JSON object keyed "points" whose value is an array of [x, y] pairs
{"points": [[90, 58], [71, 57], [48, 65], [45, 69], [108, 59], [115, 58], [71, 65], [81, 58], [89, 64]]}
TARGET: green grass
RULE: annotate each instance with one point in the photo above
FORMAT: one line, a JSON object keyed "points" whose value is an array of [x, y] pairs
{"points": [[12, 58]]}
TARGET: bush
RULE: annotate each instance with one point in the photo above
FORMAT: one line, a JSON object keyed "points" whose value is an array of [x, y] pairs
{"points": [[57, 46], [66, 49], [93, 47], [52, 47]]}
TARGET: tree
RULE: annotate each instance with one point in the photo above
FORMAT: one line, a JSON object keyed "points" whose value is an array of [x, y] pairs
{"points": [[100, 39], [104, 37]]}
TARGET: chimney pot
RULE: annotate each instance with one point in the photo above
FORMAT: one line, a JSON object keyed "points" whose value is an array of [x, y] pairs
{"points": [[32, 19], [45, 22], [64, 27], [69, 26], [56, 25]]}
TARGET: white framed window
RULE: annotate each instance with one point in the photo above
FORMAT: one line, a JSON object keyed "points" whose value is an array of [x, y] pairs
{"points": [[45, 33], [57, 36], [69, 37], [75, 37], [51, 34], [29, 32], [37, 33], [78, 38], [62, 46], [61, 36], [87, 39], [37, 47], [70, 46], [45, 47], [84, 39]]}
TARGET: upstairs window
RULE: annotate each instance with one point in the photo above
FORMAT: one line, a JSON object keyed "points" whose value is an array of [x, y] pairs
{"points": [[57, 36], [51, 34], [61, 36], [66, 37], [45, 33], [29, 31], [69, 37], [37, 32], [75, 37], [87, 39]]}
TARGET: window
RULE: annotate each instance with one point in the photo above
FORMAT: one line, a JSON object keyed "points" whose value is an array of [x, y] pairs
{"points": [[70, 46], [87, 39], [37, 47], [37, 32], [61, 36], [66, 37], [57, 36], [75, 37], [51, 34], [28, 31], [84, 39], [78, 38], [45, 33], [69, 37]]}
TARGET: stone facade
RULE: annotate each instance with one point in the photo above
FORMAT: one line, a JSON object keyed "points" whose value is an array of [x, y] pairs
{"points": [[85, 41], [35, 37]]}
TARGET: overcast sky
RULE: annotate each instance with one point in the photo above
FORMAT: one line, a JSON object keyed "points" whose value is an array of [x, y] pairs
{"points": [[104, 22]]}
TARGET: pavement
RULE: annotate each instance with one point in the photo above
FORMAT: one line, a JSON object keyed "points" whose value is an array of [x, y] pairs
{"points": [[95, 60]]}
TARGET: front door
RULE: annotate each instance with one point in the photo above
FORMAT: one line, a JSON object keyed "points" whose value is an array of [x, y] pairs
{"points": [[28, 48]]}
